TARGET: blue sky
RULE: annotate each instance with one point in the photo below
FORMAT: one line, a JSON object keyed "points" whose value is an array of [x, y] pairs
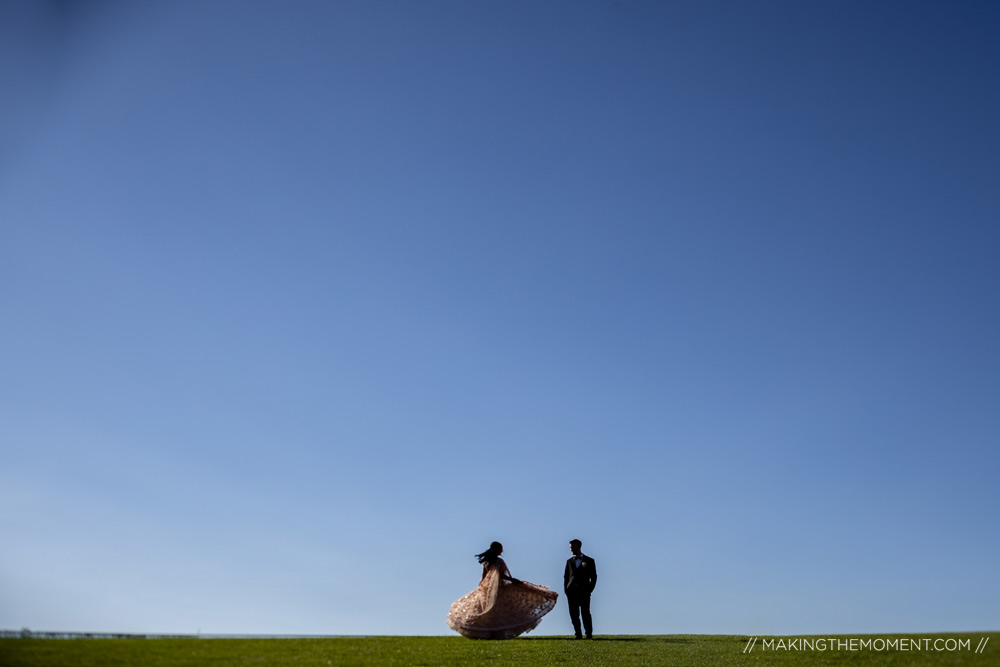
{"points": [[306, 303]]}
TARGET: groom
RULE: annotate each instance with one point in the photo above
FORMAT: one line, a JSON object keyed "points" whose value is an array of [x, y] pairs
{"points": [[578, 582]]}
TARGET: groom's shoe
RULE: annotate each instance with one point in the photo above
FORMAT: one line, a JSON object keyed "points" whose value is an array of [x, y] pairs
{"points": [[578, 637]]}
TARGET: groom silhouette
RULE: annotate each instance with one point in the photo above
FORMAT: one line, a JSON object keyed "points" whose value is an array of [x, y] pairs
{"points": [[578, 582]]}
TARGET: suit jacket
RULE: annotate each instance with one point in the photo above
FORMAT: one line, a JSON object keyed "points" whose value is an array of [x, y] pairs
{"points": [[580, 579]]}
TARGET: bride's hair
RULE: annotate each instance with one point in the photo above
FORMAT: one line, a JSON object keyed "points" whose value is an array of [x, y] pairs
{"points": [[491, 554]]}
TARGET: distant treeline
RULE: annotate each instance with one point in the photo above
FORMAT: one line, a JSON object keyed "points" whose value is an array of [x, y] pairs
{"points": [[25, 633]]}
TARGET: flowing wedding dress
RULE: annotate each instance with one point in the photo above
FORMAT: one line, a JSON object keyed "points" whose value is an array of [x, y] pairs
{"points": [[499, 609]]}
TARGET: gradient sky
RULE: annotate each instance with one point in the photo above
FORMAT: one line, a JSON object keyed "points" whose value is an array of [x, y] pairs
{"points": [[305, 303]]}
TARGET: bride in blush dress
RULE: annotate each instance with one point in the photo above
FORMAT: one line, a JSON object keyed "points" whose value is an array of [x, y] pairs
{"points": [[501, 607]]}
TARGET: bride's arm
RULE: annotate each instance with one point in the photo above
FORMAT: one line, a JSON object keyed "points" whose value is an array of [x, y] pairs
{"points": [[505, 572]]}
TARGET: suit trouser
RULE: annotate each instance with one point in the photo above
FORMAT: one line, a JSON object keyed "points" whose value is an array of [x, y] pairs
{"points": [[579, 605]]}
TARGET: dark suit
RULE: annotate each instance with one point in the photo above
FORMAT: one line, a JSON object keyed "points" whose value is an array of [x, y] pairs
{"points": [[579, 582]]}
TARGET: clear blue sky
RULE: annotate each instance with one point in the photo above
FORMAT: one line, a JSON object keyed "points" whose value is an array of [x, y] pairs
{"points": [[303, 304]]}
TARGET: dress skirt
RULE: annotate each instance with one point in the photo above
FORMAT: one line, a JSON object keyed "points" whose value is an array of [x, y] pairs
{"points": [[500, 610]]}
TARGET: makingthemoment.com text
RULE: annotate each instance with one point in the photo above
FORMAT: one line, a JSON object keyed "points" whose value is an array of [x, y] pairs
{"points": [[865, 644]]}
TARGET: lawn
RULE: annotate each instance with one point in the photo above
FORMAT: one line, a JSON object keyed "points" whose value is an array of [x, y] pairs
{"points": [[680, 650]]}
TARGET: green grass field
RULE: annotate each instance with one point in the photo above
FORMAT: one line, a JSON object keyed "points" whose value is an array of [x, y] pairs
{"points": [[681, 650]]}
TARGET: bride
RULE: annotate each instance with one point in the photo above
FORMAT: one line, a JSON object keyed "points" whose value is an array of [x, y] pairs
{"points": [[501, 607]]}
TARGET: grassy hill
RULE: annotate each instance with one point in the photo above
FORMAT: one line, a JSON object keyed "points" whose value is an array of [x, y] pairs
{"points": [[679, 650]]}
